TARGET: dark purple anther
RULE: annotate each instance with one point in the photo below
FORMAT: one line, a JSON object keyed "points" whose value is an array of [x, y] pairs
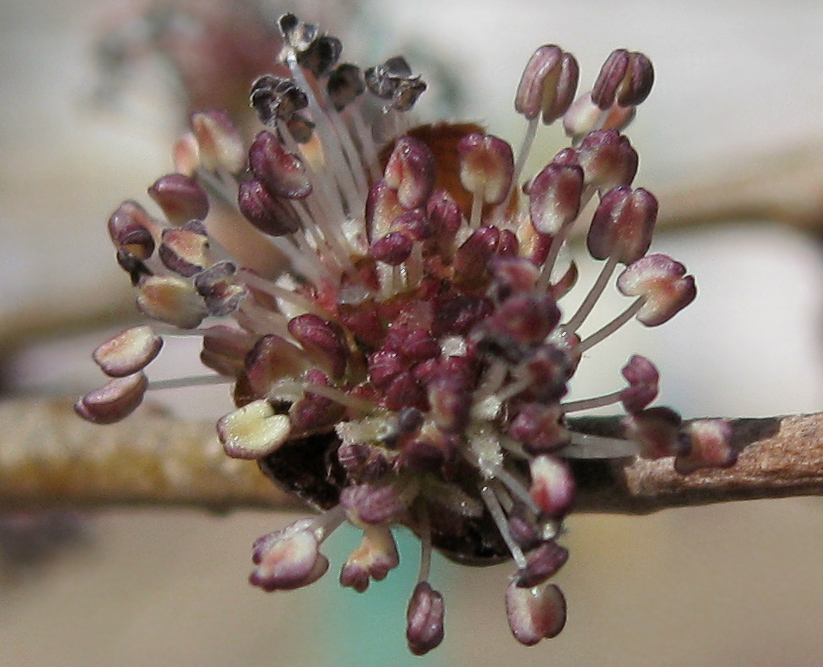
{"points": [[554, 197], [271, 215], [608, 159], [662, 283], [283, 174], [623, 224], [626, 77], [535, 614], [411, 171], [486, 166], [424, 619], [548, 84], [642, 377], [182, 198], [130, 228], [324, 341], [116, 400], [541, 564], [393, 249]]}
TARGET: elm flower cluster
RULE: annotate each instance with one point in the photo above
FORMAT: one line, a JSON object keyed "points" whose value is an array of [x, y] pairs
{"points": [[386, 297]]}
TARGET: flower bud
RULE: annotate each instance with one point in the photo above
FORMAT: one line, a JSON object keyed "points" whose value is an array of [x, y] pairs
{"points": [[663, 285], [708, 445], [655, 430]]}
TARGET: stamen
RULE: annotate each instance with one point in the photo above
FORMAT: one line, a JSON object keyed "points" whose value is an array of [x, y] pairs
{"points": [[496, 511], [611, 327], [190, 381], [587, 446], [594, 294]]}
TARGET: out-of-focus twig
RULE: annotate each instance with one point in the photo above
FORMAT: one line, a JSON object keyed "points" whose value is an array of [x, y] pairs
{"points": [[785, 187], [50, 458]]}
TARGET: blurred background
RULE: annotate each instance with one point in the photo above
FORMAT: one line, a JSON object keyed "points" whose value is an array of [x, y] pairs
{"points": [[89, 109]]}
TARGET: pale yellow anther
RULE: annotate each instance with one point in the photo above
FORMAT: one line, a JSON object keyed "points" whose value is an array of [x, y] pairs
{"points": [[253, 431]]}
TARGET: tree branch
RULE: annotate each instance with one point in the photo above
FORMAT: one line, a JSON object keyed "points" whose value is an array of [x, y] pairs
{"points": [[51, 458]]}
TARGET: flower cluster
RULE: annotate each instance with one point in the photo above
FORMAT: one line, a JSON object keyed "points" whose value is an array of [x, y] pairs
{"points": [[385, 298]]}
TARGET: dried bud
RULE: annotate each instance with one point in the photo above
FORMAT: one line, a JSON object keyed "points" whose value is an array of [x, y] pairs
{"points": [[608, 159], [271, 215], [548, 84], [317, 53], [253, 431], [288, 558], [128, 352], [642, 377], [410, 170], [552, 487], [486, 166], [345, 85], [372, 559], [114, 401], [626, 77], [707, 445], [393, 80], [535, 614], [623, 224], [424, 619], [662, 283], [171, 300], [281, 173], [219, 289], [220, 143], [324, 341], [554, 197]]}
